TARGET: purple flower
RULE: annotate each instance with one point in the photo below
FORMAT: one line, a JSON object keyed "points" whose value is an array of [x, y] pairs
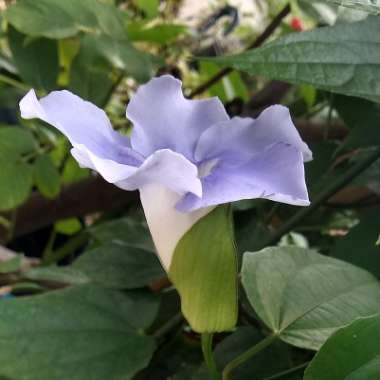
{"points": [[185, 156]]}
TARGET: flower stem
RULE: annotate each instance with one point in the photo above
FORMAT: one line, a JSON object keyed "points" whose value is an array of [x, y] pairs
{"points": [[13, 82], [246, 355], [323, 196], [206, 340]]}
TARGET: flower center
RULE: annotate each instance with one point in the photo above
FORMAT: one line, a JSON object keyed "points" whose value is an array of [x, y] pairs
{"points": [[205, 168]]}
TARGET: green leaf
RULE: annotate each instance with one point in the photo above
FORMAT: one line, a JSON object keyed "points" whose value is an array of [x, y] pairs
{"points": [[11, 265], [352, 353], [46, 176], [370, 6], [90, 75], [122, 55], [358, 247], [15, 142], [204, 271], [304, 297], [350, 68], [36, 60], [69, 226], [120, 267], [57, 19], [123, 231], [16, 181], [159, 34], [149, 7], [78, 333]]}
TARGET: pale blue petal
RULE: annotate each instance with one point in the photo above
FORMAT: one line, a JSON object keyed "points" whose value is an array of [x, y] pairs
{"points": [[82, 123], [164, 119], [166, 168], [276, 174], [241, 138]]}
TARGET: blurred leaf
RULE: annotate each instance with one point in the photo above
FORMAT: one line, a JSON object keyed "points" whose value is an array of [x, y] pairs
{"points": [[350, 68], [90, 74], [229, 88], [204, 271], [362, 117], [11, 265], [58, 19], [15, 142], [72, 172], [46, 176], [122, 55], [120, 267], [352, 353], [304, 297], [358, 246], [309, 94], [16, 179], [123, 231], [78, 333], [36, 60], [69, 226], [159, 34], [370, 6], [57, 275], [149, 7]]}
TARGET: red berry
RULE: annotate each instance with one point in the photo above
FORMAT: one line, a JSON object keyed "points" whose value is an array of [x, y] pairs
{"points": [[296, 24]]}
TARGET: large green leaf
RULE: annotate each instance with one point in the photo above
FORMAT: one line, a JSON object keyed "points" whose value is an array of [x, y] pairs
{"points": [[343, 59], [78, 333], [16, 179], [352, 353], [358, 246], [36, 60], [204, 271], [119, 266], [303, 297], [61, 19], [370, 6]]}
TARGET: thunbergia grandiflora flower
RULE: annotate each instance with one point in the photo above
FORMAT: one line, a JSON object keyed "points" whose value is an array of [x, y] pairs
{"points": [[184, 156]]}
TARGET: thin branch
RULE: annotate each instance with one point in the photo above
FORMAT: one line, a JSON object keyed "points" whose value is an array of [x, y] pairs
{"points": [[259, 41]]}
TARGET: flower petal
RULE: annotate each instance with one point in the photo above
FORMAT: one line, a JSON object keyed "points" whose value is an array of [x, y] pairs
{"points": [[241, 138], [166, 224], [276, 174], [83, 123], [163, 118], [167, 168]]}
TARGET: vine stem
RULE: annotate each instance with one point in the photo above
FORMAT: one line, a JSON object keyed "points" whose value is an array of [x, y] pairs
{"points": [[323, 196], [247, 355], [287, 371], [258, 41], [206, 340]]}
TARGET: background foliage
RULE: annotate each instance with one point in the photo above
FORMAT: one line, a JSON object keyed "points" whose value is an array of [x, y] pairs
{"points": [[82, 294]]}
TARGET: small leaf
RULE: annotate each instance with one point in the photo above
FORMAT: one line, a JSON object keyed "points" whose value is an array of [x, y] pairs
{"points": [[150, 7], [352, 353], [69, 226], [12, 265], [78, 333], [304, 297], [159, 34], [46, 176], [16, 181], [350, 68], [204, 271]]}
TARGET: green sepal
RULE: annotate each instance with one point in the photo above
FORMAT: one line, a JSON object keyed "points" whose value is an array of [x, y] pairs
{"points": [[204, 271]]}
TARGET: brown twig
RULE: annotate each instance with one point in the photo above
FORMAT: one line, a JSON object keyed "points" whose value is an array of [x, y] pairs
{"points": [[259, 41]]}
